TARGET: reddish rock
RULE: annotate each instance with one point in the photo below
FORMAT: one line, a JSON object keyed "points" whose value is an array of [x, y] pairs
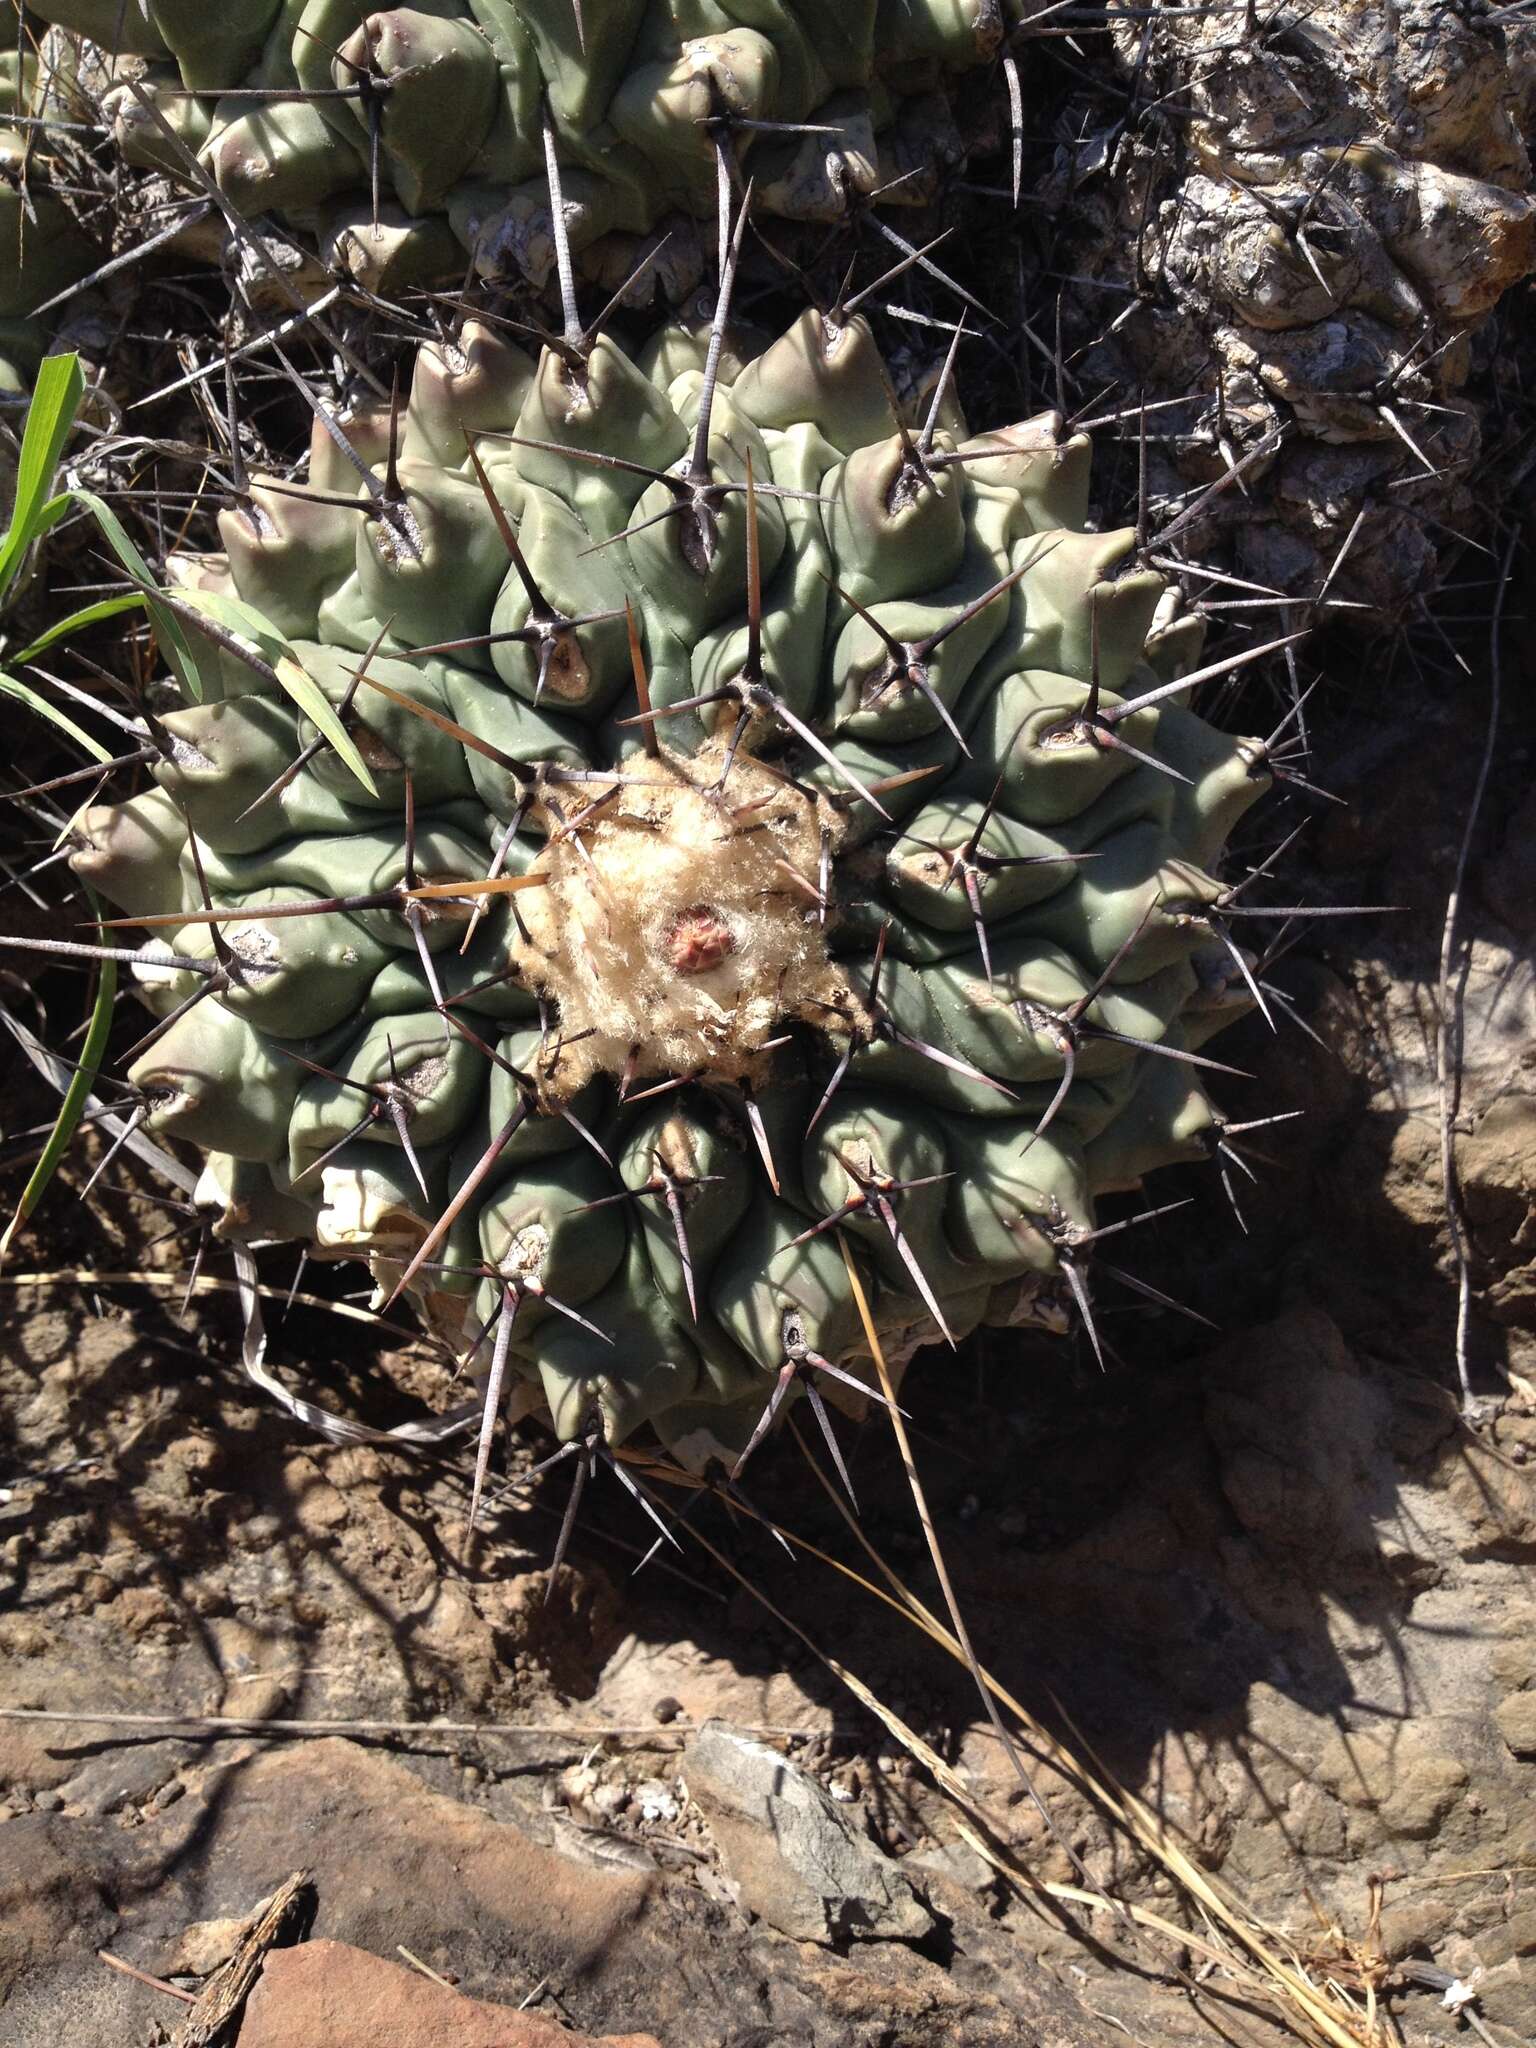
{"points": [[393, 1861], [324, 1991]]}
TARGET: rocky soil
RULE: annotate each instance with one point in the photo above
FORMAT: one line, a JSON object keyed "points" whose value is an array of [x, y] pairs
{"points": [[1273, 1577]]}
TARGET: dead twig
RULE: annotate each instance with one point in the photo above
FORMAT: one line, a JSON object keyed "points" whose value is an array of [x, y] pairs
{"points": [[222, 1999], [105, 1955], [233, 1724], [426, 1969], [1448, 1042]]}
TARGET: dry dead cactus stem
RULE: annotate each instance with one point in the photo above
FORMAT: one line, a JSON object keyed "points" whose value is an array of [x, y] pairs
{"points": [[1298, 221]]}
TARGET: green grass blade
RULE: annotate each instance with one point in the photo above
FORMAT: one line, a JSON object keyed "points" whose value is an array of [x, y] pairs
{"points": [[277, 651], [25, 694], [174, 641], [89, 615], [76, 1095], [47, 517], [56, 399]]}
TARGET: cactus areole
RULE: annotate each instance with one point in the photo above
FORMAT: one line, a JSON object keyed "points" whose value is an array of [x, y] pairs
{"points": [[762, 836]]}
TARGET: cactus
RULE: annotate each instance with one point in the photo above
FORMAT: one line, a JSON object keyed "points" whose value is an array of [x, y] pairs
{"points": [[1281, 230], [408, 136], [43, 248], [662, 855]]}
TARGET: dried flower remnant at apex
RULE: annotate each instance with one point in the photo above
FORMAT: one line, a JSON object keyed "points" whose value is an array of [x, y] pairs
{"points": [[699, 939], [786, 835], [667, 938]]}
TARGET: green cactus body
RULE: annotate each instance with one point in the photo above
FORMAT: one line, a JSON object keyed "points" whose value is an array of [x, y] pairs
{"points": [[43, 248], [868, 943], [449, 99]]}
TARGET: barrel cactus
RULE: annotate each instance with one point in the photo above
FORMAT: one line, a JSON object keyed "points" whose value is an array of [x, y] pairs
{"points": [[406, 136], [1282, 237], [664, 857], [44, 248]]}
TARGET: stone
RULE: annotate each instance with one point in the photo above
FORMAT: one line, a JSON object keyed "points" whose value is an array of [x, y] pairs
{"points": [[367, 1828], [1515, 1936], [1298, 1431], [1495, 1501], [347, 1998], [1414, 1927], [48, 1898], [1409, 1784], [1427, 1790], [391, 1860], [1315, 1823], [205, 1946], [1506, 1997], [954, 1863], [799, 1861], [1512, 1661], [1516, 1717], [886, 1993]]}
